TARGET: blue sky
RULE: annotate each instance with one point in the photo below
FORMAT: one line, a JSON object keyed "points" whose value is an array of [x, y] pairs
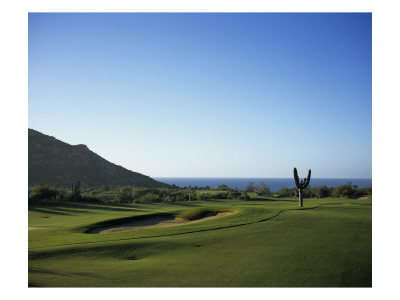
{"points": [[207, 95]]}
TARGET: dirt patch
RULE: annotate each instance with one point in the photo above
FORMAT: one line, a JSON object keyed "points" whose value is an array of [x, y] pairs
{"points": [[153, 222]]}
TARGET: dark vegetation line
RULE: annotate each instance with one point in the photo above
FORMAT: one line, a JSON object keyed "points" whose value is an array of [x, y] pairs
{"points": [[173, 234], [129, 194]]}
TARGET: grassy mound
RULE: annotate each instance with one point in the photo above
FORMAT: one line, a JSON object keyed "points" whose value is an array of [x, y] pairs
{"points": [[198, 213]]}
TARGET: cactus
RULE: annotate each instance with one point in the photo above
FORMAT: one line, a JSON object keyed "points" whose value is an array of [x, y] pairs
{"points": [[301, 185], [76, 191]]}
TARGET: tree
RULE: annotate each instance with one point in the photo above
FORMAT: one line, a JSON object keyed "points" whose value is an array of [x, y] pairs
{"points": [[284, 192], [250, 187], [223, 187], [320, 191], [323, 191], [190, 192], [342, 190], [262, 188]]}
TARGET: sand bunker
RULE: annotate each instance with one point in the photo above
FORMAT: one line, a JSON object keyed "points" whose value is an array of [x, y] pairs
{"points": [[153, 222]]}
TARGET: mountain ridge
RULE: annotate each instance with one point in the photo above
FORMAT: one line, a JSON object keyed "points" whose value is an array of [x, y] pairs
{"points": [[57, 163]]}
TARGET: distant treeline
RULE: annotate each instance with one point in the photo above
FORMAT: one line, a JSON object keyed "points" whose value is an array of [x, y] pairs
{"points": [[127, 194], [322, 191], [130, 195]]}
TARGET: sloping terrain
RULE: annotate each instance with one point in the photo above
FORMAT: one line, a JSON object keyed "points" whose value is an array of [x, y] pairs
{"points": [[264, 243], [53, 162]]}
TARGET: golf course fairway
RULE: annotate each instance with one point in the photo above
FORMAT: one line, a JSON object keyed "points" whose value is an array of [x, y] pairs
{"points": [[268, 242]]}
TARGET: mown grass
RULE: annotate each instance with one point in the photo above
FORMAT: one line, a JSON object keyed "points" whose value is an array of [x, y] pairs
{"points": [[264, 243]]}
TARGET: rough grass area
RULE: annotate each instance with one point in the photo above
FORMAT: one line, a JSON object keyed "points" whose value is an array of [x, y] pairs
{"points": [[265, 243]]}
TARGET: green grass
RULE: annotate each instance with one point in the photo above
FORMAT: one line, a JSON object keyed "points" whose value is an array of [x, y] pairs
{"points": [[264, 243]]}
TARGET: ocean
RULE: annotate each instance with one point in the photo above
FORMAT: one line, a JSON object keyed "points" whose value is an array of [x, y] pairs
{"points": [[273, 183]]}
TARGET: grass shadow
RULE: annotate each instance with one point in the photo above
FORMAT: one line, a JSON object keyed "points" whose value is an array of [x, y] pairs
{"points": [[272, 200], [66, 208]]}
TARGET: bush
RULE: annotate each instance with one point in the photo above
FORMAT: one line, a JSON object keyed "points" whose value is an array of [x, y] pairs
{"points": [[124, 196], [244, 196], [348, 190], [204, 196], [150, 197], [344, 190], [139, 192], [69, 196], [223, 187], [91, 199], [262, 189], [105, 188], [190, 194], [321, 191], [284, 192], [44, 193], [366, 191], [250, 187], [234, 194], [219, 196]]}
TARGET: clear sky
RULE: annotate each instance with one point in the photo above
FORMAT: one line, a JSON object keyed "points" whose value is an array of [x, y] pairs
{"points": [[207, 95]]}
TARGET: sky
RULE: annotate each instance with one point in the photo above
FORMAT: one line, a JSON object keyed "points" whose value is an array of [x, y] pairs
{"points": [[207, 95]]}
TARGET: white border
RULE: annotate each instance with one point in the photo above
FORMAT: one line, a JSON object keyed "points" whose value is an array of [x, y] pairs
{"points": [[13, 118]]}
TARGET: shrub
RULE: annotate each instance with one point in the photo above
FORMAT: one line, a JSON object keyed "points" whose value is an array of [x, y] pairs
{"points": [[223, 187], [234, 195], [124, 196], [204, 196], [284, 192], [244, 196], [150, 197], [44, 193], [69, 196], [348, 190], [366, 191], [218, 195], [344, 190], [190, 194], [250, 187], [166, 198], [262, 189], [139, 192], [92, 199], [321, 191], [105, 188]]}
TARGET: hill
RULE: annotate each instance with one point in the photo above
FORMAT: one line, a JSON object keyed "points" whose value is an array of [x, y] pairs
{"points": [[56, 163]]}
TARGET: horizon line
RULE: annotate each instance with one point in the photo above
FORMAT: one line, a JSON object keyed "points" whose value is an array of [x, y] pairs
{"points": [[260, 177]]}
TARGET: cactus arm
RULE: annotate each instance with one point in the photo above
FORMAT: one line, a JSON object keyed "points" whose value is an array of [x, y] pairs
{"points": [[307, 181], [308, 177], [296, 178]]}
